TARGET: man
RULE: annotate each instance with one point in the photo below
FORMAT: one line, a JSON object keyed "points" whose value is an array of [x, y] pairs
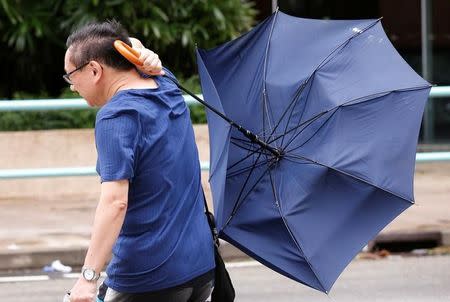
{"points": [[150, 213]]}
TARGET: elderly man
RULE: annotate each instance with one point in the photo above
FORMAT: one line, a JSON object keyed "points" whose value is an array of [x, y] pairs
{"points": [[150, 212]]}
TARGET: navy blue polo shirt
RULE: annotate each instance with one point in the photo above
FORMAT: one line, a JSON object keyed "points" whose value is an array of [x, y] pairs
{"points": [[146, 136]]}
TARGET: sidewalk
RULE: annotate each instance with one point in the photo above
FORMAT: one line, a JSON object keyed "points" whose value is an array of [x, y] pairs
{"points": [[34, 233]]}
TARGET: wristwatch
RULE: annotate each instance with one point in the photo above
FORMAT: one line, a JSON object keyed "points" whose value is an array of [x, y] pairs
{"points": [[89, 274]]}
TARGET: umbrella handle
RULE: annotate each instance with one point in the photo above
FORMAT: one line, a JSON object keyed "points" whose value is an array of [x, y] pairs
{"points": [[128, 52]]}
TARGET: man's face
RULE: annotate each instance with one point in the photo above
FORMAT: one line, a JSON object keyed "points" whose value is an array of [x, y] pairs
{"points": [[82, 80]]}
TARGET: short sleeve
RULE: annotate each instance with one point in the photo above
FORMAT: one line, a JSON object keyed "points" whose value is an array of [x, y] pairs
{"points": [[115, 138]]}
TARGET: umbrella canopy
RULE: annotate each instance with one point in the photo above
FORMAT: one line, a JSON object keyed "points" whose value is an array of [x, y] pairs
{"points": [[342, 109]]}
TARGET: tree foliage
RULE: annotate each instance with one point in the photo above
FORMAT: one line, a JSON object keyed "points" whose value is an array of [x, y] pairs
{"points": [[33, 35]]}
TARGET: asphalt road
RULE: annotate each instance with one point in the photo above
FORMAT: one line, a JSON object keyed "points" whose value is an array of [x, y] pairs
{"points": [[396, 279]]}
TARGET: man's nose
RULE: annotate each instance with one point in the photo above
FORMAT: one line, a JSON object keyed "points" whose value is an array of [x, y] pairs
{"points": [[72, 88]]}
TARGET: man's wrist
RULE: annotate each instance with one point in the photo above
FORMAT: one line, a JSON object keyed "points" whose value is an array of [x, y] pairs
{"points": [[89, 274]]}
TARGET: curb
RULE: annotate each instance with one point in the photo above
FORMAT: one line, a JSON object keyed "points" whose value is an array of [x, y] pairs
{"points": [[403, 237], [37, 259], [409, 240], [74, 257]]}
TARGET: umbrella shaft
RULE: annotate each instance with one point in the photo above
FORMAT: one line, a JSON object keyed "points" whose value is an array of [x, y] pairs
{"points": [[255, 139], [247, 133]]}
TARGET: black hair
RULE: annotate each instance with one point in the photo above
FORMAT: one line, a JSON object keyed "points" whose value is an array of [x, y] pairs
{"points": [[94, 41]]}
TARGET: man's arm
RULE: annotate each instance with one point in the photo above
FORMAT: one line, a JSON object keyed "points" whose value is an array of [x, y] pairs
{"points": [[109, 218], [108, 221]]}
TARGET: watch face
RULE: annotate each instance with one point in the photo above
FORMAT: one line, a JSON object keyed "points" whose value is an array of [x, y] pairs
{"points": [[89, 274]]}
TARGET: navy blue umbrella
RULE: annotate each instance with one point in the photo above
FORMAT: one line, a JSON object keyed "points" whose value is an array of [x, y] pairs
{"points": [[313, 150]]}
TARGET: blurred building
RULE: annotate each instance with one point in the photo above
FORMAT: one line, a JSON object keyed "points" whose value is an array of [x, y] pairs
{"points": [[402, 21]]}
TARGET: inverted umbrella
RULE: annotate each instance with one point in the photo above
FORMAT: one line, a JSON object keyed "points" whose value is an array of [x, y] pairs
{"points": [[333, 115]]}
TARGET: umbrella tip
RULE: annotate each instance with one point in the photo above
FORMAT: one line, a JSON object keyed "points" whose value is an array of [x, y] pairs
{"points": [[279, 154]]}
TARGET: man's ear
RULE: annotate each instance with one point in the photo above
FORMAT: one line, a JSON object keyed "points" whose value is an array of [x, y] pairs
{"points": [[96, 70]]}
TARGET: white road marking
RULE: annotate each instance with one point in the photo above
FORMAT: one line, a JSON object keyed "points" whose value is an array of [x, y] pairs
{"points": [[16, 279], [23, 279], [242, 264]]}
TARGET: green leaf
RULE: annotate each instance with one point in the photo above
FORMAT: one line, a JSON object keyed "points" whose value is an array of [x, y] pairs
{"points": [[156, 31], [146, 30], [185, 38], [218, 14], [160, 13]]}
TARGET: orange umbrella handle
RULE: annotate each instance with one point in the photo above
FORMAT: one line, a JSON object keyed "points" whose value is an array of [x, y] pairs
{"points": [[128, 52]]}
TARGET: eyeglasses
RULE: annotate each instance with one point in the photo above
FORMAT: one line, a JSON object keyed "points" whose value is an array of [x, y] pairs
{"points": [[66, 76]]}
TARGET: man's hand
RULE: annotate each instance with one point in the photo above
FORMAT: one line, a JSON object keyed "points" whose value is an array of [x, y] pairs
{"points": [[152, 63], [83, 291]]}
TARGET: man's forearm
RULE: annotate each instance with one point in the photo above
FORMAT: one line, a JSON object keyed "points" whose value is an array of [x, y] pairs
{"points": [[108, 221]]}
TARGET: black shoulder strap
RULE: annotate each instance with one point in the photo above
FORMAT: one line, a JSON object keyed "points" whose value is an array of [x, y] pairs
{"points": [[211, 221]]}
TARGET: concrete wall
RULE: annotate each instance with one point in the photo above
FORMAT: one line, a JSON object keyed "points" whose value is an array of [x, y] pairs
{"points": [[54, 149]]}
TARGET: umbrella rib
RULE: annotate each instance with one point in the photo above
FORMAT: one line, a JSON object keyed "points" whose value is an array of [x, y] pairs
{"points": [[245, 169], [286, 157], [252, 152], [242, 189], [255, 184], [267, 48], [247, 145], [301, 250], [275, 195], [368, 99], [291, 235], [239, 201], [248, 148], [241, 140], [267, 112], [311, 78], [244, 158], [325, 60], [312, 135], [353, 176], [300, 125], [266, 54], [294, 101]]}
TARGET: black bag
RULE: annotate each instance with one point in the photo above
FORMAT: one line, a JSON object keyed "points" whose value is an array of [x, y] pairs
{"points": [[223, 287]]}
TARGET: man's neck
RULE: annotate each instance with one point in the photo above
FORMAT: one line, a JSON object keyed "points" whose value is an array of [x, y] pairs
{"points": [[127, 80]]}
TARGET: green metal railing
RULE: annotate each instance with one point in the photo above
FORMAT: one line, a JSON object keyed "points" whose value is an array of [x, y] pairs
{"points": [[440, 91], [71, 104], [58, 104], [58, 172]]}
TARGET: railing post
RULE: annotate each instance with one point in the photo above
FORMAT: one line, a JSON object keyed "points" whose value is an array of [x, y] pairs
{"points": [[274, 5], [427, 68]]}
